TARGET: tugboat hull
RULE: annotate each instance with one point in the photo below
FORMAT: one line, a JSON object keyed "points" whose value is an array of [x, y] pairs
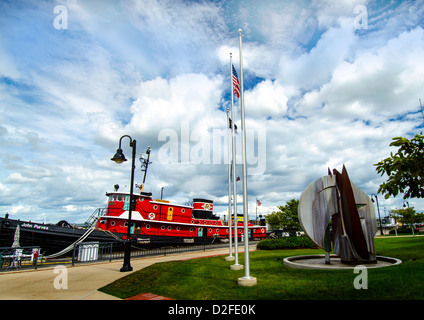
{"points": [[53, 238]]}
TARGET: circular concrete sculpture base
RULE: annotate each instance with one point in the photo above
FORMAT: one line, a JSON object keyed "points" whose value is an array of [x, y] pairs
{"points": [[318, 262], [236, 267], [229, 258], [247, 282]]}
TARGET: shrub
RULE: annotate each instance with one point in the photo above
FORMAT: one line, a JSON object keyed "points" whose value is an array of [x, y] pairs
{"points": [[404, 229], [286, 243]]}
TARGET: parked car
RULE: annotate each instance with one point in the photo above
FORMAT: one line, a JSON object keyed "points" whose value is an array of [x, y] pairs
{"points": [[277, 234]]}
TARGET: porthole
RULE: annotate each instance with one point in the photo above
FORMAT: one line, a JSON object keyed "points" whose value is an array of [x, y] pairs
{"points": [[155, 207], [210, 230], [147, 226], [169, 228], [178, 228], [112, 223], [162, 227], [183, 210], [191, 229]]}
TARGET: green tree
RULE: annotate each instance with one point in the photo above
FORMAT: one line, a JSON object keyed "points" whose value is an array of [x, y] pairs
{"points": [[286, 217], [408, 216], [405, 168]]}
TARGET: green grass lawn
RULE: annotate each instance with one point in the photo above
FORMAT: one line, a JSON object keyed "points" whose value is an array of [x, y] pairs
{"points": [[212, 279]]}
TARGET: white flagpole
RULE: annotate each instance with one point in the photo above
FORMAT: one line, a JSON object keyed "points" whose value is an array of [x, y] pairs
{"points": [[256, 218], [230, 257], [236, 265], [247, 280]]}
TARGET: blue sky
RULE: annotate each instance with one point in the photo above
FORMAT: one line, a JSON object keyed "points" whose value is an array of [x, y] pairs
{"points": [[323, 88]]}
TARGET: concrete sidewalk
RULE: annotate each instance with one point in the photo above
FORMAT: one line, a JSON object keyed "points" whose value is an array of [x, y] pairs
{"points": [[84, 280]]}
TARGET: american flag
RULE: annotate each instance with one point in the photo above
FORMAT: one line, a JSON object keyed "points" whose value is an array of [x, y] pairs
{"points": [[236, 83], [258, 202]]}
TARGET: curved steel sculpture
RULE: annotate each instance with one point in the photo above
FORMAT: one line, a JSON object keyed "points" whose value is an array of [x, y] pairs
{"points": [[335, 201]]}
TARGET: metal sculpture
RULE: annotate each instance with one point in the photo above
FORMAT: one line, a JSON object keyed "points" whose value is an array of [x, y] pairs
{"points": [[335, 201]]}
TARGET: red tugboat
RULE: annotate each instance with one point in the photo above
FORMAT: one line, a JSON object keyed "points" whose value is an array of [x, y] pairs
{"points": [[156, 220], [153, 223]]}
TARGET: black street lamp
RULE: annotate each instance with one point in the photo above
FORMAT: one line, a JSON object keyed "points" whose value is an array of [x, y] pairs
{"points": [[119, 158], [378, 209]]}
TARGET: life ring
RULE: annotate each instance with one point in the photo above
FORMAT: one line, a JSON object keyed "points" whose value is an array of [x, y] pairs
{"points": [[64, 224], [151, 215], [262, 230]]}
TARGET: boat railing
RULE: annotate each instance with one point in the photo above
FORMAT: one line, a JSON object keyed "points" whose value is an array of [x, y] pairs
{"points": [[20, 257], [92, 220], [95, 251]]}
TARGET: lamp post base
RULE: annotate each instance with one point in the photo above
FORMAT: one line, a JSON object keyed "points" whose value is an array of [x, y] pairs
{"points": [[126, 268]]}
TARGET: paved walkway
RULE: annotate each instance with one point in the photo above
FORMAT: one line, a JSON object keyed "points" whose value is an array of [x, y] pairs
{"points": [[83, 280]]}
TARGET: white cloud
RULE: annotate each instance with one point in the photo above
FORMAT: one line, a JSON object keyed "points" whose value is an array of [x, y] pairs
{"points": [[311, 69], [267, 99], [70, 208], [19, 209], [162, 104], [7, 66], [181, 35], [328, 11], [17, 177], [375, 85], [286, 25], [3, 188]]}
